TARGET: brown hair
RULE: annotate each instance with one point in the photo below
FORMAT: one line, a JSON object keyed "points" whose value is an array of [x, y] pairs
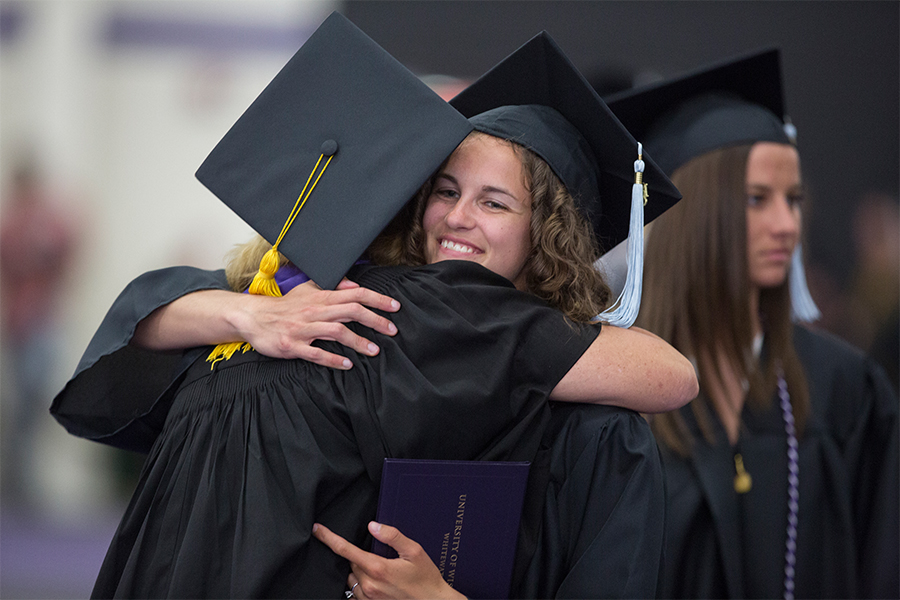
{"points": [[559, 269], [697, 294]]}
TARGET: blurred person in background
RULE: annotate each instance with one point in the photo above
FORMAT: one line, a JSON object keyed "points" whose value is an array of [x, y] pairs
{"points": [[874, 294], [37, 242], [782, 475]]}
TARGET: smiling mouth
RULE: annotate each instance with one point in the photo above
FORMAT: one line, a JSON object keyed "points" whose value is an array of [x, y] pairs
{"points": [[456, 247]]}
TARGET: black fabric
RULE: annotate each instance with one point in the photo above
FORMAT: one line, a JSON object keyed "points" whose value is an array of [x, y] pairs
{"points": [[117, 394], [724, 545], [252, 452], [601, 508]]}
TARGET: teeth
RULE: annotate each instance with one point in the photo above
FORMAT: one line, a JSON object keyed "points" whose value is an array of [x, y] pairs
{"points": [[456, 247]]}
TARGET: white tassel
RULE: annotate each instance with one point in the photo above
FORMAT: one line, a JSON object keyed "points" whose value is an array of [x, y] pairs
{"points": [[803, 308], [624, 311]]}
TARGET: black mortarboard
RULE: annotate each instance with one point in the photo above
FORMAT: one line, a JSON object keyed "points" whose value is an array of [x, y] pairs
{"points": [[537, 97], [733, 102], [341, 96]]}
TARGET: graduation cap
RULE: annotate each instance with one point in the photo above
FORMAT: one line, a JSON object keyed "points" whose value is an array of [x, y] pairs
{"points": [[583, 142], [733, 102], [329, 152], [537, 98]]}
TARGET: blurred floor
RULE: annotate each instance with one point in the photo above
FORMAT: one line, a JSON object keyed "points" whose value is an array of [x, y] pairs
{"points": [[51, 558]]}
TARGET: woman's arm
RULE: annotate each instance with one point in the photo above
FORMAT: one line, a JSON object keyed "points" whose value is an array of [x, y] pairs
{"points": [[278, 327], [630, 368]]}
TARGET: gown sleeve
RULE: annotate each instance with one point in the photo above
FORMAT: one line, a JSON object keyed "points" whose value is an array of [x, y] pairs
{"points": [[603, 513], [117, 395], [856, 404]]}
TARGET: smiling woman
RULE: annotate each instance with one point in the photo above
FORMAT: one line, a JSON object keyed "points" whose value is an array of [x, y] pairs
{"points": [[479, 209]]}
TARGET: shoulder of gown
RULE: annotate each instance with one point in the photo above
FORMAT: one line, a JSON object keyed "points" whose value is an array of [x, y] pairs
{"points": [[845, 385], [116, 393]]}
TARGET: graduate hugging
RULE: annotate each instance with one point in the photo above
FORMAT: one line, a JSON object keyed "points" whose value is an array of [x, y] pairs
{"points": [[498, 357], [423, 286]]}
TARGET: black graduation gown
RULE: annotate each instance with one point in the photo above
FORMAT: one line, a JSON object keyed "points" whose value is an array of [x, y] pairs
{"points": [[720, 544], [252, 453]]}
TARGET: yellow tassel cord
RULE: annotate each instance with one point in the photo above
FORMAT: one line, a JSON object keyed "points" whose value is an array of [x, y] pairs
{"points": [[264, 283]]}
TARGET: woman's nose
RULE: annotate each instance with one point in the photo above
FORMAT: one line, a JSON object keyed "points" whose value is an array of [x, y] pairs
{"points": [[786, 217], [460, 216]]}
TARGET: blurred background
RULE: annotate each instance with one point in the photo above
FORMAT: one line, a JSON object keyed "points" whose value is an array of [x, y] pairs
{"points": [[107, 107]]}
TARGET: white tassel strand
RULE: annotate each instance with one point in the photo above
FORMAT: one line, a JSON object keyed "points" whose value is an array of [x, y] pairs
{"points": [[624, 311], [803, 308]]}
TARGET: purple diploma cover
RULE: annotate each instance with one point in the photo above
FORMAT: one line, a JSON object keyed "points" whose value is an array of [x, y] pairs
{"points": [[465, 514]]}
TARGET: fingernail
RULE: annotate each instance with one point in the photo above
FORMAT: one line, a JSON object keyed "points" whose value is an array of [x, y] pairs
{"points": [[392, 328], [395, 305], [374, 527], [347, 363], [372, 348], [315, 526]]}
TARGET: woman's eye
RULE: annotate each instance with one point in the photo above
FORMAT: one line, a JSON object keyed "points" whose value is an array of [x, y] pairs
{"points": [[495, 205], [796, 199], [446, 193], [755, 199]]}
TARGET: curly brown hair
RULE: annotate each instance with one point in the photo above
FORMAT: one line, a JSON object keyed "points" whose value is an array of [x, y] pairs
{"points": [[560, 268]]}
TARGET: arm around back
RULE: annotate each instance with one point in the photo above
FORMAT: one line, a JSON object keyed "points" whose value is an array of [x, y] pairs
{"points": [[631, 368], [282, 327]]}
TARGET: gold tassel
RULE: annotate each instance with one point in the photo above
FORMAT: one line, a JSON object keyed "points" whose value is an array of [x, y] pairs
{"points": [[226, 351], [264, 283]]}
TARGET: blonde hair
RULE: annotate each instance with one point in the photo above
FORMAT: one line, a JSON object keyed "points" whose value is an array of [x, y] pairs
{"points": [[242, 262], [560, 269]]}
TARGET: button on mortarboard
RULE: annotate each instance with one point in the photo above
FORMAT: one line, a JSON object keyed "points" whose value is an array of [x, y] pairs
{"points": [[341, 98]]}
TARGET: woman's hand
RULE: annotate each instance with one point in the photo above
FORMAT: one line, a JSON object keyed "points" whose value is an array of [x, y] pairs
{"points": [[411, 575], [286, 327], [279, 327]]}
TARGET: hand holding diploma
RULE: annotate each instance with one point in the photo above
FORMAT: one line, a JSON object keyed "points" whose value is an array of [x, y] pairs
{"points": [[411, 575]]}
